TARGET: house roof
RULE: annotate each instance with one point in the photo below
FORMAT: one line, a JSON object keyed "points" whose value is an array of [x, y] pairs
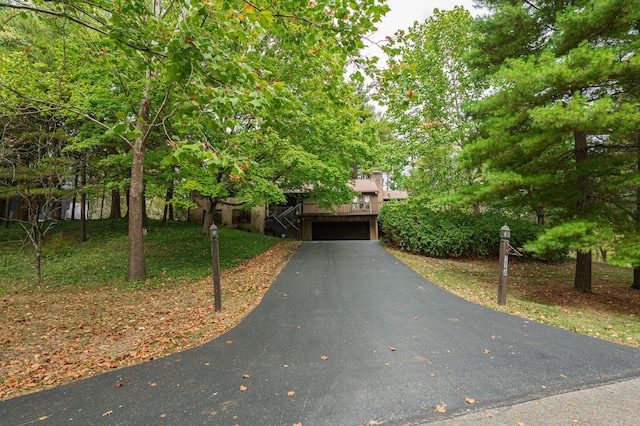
{"points": [[395, 195], [365, 186]]}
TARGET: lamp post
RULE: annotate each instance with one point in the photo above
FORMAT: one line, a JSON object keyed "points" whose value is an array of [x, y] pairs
{"points": [[505, 233], [215, 263]]}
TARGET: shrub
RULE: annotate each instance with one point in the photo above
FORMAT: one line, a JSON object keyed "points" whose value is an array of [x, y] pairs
{"points": [[450, 234]]}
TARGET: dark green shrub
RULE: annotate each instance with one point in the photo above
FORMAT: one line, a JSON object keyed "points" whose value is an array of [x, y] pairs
{"points": [[450, 234]]}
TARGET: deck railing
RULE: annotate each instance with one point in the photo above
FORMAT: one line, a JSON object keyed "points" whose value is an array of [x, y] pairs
{"points": [[353, 209]]}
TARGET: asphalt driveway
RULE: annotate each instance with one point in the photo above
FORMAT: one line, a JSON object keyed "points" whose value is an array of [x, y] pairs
{"points": [[347, 335]]}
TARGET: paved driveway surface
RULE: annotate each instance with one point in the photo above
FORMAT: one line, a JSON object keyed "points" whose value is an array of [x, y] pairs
{"points": [[349, 302]]}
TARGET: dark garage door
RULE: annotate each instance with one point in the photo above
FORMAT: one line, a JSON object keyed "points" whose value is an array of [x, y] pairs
{"points": [[340, 231]]}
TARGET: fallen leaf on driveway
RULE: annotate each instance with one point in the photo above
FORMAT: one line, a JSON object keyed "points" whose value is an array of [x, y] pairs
{"points": [[229, 342], [243, 388], [441, 409], [107, 413], [470, 400], [297, 424], [392, 349], [324, 357], [118, 385], [245, 376], [486, 351], [291, 393]]}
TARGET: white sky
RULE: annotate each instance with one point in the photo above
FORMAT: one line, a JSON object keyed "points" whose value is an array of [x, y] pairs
{"points": [[404, 13]]}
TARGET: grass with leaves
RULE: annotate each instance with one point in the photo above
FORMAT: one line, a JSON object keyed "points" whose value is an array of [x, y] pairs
{"points": [[86, 318], [543, 292]]}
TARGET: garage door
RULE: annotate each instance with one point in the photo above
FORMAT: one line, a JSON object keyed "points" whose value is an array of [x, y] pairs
{"points": [[322, 231]]}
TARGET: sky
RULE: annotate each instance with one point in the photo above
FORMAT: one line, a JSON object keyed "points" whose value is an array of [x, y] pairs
{"points": [[404, 13]]}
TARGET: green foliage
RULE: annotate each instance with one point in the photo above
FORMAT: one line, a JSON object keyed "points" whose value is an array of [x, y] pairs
{"points": [[174, 251], [450, 233]]}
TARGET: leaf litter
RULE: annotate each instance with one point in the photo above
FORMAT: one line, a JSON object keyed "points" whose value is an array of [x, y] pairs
{"points": [[51, 338]]}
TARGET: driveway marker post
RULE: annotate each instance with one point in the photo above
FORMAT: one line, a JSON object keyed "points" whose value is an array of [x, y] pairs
{"points": [[215, 264], [505, 233]]}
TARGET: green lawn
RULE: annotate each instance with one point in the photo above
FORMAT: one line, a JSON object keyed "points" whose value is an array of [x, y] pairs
{"points": [[544, 292], [174, 252]]}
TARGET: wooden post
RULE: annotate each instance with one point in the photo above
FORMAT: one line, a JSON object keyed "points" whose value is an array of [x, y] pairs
{"points": [[503, 262], [215, 264]]}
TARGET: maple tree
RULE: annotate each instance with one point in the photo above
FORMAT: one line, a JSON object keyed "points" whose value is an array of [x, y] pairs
{"points": [[424, 88], [196, 75]]}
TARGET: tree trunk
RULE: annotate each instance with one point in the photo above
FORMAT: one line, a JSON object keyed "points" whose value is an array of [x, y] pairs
{"points": [[167, 205], [5, 211], [208, 216], [582, 279], [74, 199], [583, 272], [636, 278], [102, 205], [137, 267], [636, 270], [540, 215], [116, 206], [83, 202]]}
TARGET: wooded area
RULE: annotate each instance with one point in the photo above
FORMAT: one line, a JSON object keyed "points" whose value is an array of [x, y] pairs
{"points": [[530, 109]]}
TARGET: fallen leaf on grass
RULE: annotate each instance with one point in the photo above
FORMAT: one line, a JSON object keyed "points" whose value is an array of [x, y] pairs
{"points": [[441, 409]]}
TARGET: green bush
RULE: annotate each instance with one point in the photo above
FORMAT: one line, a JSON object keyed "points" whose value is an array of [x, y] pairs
{"points": [[450, 234]]}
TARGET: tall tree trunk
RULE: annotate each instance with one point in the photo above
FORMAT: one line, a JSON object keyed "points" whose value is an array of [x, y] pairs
{"points": [[636, 270], [582, 279], [83, 202], [137, 267], [116, 206], [102, 204], [208, 215], [540, 215], [583, 272], [167, 205], [74, 199], [5, 211]]}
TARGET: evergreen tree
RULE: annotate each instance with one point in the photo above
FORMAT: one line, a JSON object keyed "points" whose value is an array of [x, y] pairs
{"points": [[555, 128]]}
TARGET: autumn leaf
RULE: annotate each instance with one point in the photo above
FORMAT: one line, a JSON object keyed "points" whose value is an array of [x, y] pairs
{"points": [[441, 409], [324, 357], [392, 349], [243, 388], [163, 415], [291, 393], [107, 413], [245, 376], [153, 384], [118, 385], [486, 351], [433, 374], [470, 400], [229, 342], [297, 424]]}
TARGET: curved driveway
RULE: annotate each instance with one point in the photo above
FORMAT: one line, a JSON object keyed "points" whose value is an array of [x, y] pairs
{"points": [[347, 335]]}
